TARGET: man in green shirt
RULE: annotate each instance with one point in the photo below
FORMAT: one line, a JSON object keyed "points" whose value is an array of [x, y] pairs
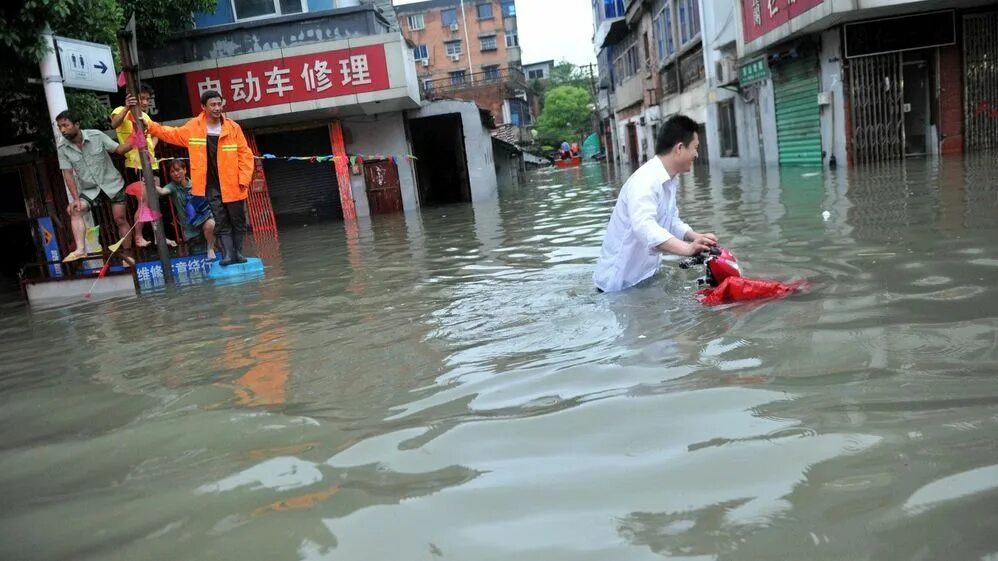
{"points": [[85, 154]]}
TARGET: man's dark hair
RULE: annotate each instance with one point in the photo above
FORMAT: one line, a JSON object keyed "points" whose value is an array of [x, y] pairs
{"points": [[146, 89], [178, 164], [677, 129], [68, 115], [208, 95]]}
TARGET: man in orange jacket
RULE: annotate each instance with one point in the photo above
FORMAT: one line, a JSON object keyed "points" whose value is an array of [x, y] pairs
{"points": [[221, 168]]}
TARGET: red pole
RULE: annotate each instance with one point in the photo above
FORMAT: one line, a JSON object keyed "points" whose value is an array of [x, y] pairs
{"points": [[342, 164]]}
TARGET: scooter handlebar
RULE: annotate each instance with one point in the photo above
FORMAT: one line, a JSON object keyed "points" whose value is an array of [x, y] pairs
{"points": [[699, 258]]}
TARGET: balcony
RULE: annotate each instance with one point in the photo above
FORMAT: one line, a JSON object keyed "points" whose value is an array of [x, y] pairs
{"points": [[629, 92], [512, 78]]}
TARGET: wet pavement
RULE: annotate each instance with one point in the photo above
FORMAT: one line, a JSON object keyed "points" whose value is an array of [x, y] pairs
{"points": [[449, 385]]}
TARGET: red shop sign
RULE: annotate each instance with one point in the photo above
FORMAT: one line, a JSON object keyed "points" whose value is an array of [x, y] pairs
{"points": [[762, 16], [290, 79]]}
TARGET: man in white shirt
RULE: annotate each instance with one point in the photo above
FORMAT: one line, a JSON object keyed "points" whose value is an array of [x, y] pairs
{"points": [[645, 222]]}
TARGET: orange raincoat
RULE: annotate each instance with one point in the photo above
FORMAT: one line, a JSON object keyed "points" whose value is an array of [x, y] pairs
{"points": [[235, 159]]}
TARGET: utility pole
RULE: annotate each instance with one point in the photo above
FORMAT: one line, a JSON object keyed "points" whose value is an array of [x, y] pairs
{"points": [[129, 63], [467, 44], [595, 93], [55, 95]]}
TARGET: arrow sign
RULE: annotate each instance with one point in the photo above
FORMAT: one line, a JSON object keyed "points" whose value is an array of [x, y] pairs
{"points": [[85, 65]]}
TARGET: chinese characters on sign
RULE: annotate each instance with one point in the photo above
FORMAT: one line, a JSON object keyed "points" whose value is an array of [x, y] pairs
{"points": [[292, 79], [762, 16], [753, 72], [186, 271]]}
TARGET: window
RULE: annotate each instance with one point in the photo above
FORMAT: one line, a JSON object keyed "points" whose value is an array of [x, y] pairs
{"points": [[457, 78], [252, 9], [519, 114], [448, 17], [485, 11], [417, 22], [419, 52], [427, 84], [491, 72], [665, 41], [508, 8], [487, 43], [613, 9], [453, 47], [628, 62], [689, 20], [512, 39], [729, 132], [536, 74]]}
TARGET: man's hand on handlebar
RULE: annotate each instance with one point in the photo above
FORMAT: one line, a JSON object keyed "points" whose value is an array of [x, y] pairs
{"points": [[708, 238], [699, 245]]}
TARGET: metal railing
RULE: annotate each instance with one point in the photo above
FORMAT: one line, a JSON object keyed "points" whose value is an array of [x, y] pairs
{"points": [[449, 84]]}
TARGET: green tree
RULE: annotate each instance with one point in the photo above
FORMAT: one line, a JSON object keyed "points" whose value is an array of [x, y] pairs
{"points": [[565, 73], [23, 112], [567, 115]]}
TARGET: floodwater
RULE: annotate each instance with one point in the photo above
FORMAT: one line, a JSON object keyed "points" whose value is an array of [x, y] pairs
{"points": [[449, 385]]}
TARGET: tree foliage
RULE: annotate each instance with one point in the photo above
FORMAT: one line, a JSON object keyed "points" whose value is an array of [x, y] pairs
{"points": [[567, 115], [22, 101], [563, 73]]}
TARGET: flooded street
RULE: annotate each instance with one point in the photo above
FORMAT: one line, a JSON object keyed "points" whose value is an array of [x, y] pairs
{"points": [[449, 385]]}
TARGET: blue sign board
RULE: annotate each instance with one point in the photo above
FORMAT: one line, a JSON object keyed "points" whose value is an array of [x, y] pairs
{"points": [[50, 245], [186, 271]]}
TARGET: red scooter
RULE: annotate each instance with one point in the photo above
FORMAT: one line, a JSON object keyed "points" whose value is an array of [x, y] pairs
{"points": [[723, 282]]}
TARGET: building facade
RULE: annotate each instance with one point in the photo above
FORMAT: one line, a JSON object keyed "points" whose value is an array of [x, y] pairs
{"points": [[538, 70], [651, 63], [470, 50], [826, 82]]}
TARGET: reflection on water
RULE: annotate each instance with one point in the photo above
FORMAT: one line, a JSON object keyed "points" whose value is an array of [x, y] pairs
{"points": [[448, 384]]}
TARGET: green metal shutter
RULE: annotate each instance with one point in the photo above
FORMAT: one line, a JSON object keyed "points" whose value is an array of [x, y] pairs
{"points": [[798, 126]]}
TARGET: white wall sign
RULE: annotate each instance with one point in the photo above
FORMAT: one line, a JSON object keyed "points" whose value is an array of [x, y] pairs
{"points": [[85, 65]]}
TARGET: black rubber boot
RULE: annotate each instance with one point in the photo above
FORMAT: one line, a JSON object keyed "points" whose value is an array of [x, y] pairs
{"points": [[237, 245], [227, 247]]}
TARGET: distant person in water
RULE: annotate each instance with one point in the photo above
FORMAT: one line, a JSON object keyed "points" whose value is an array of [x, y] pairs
{"points": [[645, 221], [565, 152]]}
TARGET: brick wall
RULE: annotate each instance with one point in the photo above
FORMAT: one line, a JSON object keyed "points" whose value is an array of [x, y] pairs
{"points": [[950, 100], [490, 97], [435, 34]]}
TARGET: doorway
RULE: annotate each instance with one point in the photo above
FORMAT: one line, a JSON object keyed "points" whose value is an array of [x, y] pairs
{"points": [[915, 76], [15, 228], [301, 192], [632, 145], [384, 192], [441, 162]]}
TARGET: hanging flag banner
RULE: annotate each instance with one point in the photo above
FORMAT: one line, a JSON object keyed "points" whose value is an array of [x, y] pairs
{"points": [[354, 158]]}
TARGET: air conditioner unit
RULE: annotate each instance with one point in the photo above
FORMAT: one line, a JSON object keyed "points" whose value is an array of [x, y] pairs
{"points": [[425, 61], [455, 58], [453, 27], [726, 70]]}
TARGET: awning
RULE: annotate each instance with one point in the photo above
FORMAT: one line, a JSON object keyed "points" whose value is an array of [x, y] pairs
{"points": [[610, 32]]}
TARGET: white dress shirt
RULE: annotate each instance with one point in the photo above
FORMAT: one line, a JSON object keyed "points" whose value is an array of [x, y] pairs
{"points": [[645, 216]]}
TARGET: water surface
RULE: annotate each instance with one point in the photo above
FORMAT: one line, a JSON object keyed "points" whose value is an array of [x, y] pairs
{"points": [[449, 385]]}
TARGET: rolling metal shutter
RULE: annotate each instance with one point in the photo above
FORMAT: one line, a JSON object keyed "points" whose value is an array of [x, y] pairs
{"points": [[301, 191], [798, 126]]}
